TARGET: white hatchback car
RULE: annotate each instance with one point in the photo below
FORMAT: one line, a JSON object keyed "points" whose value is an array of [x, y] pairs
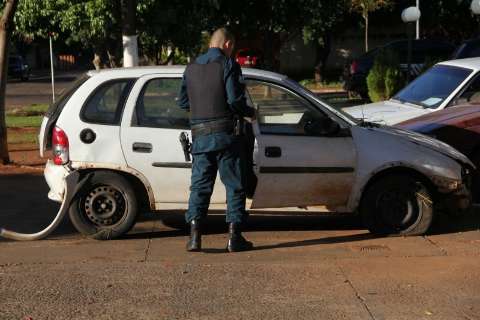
{"points": [[445, 85], [119, 130]]}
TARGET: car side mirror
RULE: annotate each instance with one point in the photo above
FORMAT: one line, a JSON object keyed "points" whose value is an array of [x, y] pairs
{"points": [[321, 127]]}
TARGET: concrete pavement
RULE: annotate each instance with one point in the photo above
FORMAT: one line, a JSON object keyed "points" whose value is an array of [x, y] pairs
{"points": [[305, 266]]}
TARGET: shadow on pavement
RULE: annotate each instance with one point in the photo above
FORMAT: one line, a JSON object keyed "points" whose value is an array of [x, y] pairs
{"points": [[24, 207]]}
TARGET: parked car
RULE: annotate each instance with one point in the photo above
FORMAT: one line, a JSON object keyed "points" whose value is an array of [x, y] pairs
{"points": [[249, 58], [468, 49], [458, 127], [119, 129], [445, 85], [18, 68], [422, 51]]}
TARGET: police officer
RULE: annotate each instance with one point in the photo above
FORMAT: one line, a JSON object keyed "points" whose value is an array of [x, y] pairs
{"points": [[213, 92]]}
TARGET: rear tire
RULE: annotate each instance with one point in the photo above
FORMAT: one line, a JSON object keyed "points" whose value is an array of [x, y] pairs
{"points": [[105, 208], [397, 205]]}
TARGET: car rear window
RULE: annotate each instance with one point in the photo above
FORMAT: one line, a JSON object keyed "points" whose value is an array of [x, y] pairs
{"points": [[56, 108], [105, 104]]}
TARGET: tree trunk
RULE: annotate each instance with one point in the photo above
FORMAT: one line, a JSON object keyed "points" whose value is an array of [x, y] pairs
{"points": [[366, 31], [112, 59], [97, 58], [129, 30], [6, 28], [170, 56], [322, 53]]}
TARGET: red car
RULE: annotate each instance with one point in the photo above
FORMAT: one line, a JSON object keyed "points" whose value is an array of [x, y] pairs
{"points": [[458, 126], [249, 58]]}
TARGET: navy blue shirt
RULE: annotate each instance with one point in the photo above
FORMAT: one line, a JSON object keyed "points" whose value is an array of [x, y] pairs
{"points": [[235, 91]]}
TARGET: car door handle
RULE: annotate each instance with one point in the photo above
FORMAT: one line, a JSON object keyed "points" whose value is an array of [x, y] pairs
{"points": [[273, 152], [142, 147]]}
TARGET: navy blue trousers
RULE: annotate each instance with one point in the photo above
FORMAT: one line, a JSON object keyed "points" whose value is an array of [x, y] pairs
{"points": [[230, 164]]}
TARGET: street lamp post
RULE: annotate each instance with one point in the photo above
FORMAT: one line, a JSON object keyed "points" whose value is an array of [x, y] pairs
{"points": [[50, 35], [409, 16]]}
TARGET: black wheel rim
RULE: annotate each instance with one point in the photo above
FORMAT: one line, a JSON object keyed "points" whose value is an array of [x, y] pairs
{"points": [[397, 209], [104, 205]]}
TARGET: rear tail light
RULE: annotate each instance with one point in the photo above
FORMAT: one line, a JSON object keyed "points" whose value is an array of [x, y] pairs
{"points": [[354, 67], [60, 146]]}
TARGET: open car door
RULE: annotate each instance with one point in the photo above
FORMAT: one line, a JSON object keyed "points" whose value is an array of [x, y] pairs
{"points": [[302, 156]]}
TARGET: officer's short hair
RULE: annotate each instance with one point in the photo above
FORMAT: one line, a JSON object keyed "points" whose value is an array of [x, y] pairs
{"points": [[220, 36]]}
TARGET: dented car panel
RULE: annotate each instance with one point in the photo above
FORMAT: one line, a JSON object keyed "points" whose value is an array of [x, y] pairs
{"points": [[459, 127], [386, 148]]}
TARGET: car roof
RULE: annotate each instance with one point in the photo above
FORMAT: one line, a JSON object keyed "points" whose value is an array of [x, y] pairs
{"points": [[470, 63], [176, 69]]}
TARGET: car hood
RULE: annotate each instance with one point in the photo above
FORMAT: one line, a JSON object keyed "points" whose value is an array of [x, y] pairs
{"points": [[427, 142], [459, 116], [385, 112]]}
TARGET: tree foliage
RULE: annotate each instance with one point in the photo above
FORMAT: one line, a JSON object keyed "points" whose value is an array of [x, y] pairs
{"points": [[365, 7], [385, 78]]}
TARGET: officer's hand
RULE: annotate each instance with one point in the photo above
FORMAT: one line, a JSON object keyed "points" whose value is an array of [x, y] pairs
{"points": [[251, 119]]}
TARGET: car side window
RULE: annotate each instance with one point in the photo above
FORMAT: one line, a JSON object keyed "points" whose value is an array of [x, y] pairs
{"points": [[280, 111], [471, 95], [105, 105], [157, 107]]}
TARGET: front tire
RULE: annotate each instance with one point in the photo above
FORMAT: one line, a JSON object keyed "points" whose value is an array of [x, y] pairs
{"points": [[397, 205], [105, 208]]}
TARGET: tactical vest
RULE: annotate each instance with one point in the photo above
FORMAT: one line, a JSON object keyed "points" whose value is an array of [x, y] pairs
{"points": [[206, 90]]}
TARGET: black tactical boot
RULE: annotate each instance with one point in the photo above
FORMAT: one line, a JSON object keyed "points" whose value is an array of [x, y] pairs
{"points": [[195, 242], [236, 241]]}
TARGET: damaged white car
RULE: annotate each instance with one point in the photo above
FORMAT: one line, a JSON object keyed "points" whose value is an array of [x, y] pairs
{"points": [[118, 130], [446, 84]]}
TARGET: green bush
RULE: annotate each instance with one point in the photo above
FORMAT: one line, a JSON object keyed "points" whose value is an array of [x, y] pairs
{"points": [[394, 81], [385, 78], [376, 82]]}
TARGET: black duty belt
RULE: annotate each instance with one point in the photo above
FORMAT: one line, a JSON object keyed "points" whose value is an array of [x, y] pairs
{"points": [[215, 126]]}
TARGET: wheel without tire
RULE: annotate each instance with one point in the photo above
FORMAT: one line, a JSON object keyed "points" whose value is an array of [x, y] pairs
{"points": [[397, 204], [105, 208]]}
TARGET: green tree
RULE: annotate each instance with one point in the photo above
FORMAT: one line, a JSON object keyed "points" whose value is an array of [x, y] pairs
{"points": [[320, 20], [6, 27], [161, 26], [385, 78], [95, 24], [364, 7]]}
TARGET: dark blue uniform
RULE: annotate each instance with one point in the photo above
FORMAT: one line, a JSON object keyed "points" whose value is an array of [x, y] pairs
{"points": [[221, 151]]}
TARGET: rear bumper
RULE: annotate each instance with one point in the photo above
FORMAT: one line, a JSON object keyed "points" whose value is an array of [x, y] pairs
{"points": [[55, 177]]}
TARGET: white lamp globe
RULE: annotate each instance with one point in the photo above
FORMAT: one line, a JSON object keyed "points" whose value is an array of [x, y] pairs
{"points": [[412, 14], [475, 6]]}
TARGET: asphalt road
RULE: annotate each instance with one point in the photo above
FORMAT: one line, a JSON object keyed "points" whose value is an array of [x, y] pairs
{"points": [[38, 90], [304, 266]]}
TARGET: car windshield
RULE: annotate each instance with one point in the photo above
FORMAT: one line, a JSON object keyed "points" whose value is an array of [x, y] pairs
{"points": [[431, 88]]}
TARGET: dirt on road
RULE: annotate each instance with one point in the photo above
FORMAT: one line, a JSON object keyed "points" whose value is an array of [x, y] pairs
{"points": [[304, 266]]}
